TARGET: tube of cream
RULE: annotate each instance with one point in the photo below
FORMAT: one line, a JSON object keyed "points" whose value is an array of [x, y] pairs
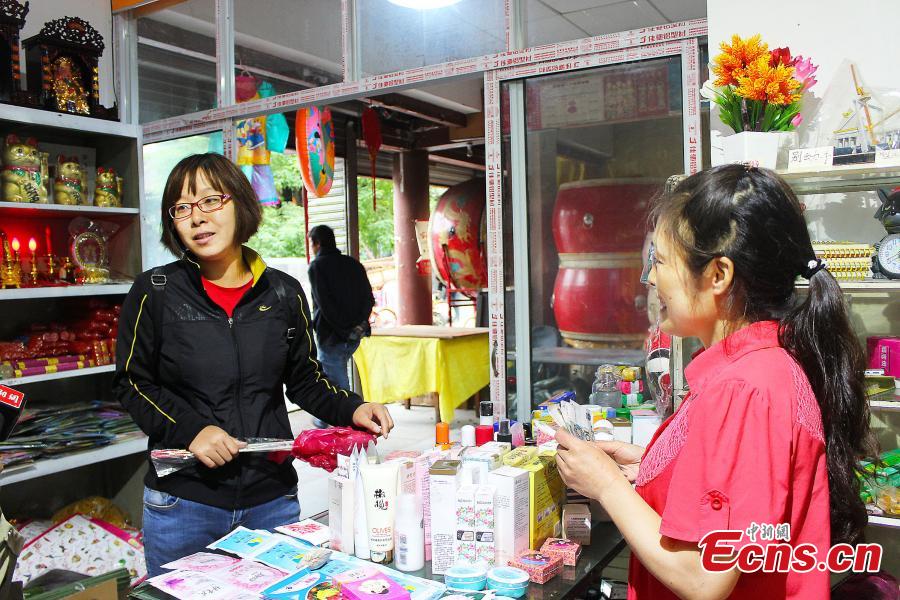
{"points": [[360, 529], [380, 489]]}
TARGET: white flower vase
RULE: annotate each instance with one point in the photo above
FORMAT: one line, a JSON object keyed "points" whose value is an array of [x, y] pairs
{"points": [[766, 149]]}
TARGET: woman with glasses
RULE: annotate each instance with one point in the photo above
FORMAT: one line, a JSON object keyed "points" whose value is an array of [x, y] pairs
{"points": [[208, 347]]}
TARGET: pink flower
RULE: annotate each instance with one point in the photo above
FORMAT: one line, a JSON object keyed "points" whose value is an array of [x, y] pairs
{"points": [[797, 120], [805, 71]]}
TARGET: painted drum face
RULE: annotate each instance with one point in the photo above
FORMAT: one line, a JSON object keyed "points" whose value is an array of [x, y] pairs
{"points": [[314, 132], [457, 233]]}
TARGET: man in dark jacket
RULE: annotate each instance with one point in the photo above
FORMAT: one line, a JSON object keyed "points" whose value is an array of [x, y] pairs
{"points": [[342, 303]]}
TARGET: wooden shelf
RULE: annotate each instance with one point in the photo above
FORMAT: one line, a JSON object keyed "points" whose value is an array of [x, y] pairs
{"points": [[23, 116], [128, 445], [65, 291], [17, 381], [836, 180], [26, 209]]}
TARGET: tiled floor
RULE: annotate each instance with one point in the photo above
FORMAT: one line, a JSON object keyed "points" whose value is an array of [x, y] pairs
{"points": [[413, 430]]}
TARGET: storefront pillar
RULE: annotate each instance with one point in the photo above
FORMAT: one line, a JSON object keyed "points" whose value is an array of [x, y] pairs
{"points": [[411, 205]]}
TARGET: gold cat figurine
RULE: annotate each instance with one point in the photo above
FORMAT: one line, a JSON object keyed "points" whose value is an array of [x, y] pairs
{"points": [[69, 185], [106, 190], [22, 171]]}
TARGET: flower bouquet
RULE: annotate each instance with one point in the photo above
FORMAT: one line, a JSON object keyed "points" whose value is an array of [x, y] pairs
{"points": [[758, 89]]}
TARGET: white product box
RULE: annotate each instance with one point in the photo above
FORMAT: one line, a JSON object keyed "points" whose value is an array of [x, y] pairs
{"points": [[444, 483], [511, 512]]}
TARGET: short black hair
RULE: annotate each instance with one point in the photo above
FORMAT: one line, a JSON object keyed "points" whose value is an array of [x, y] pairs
{"points": [[226, 177], [323, 235]]}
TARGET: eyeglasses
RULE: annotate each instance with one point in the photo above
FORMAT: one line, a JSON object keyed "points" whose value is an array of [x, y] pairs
{"points": [[183, 210]]}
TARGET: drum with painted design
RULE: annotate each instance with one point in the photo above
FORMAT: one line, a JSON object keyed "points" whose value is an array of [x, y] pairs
{"points": [[457, 232]]}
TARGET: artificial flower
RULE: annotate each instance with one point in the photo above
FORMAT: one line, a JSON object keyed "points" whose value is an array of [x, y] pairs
{"points": [[736, 57], [781, 55], [805, 71], [774, 85], [795, 122]]}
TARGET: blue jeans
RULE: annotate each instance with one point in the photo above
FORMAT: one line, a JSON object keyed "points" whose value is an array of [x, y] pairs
{"points": [[175, 527], [334, 361]]}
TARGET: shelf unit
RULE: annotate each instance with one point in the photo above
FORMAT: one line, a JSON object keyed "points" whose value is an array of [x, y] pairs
{"points": [[24, 209], [125, 446], [847, 180], [67, 291], [116, 145], [17, 381]]}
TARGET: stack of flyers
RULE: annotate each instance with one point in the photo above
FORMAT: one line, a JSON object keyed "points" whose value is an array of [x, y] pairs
{"points": [[311, 532], [188, 585], [275, 550], [201, 562], [242, 542]]}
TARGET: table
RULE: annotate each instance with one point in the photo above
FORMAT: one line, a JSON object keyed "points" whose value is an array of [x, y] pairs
{"points": [[400, 362], [606, 543]]}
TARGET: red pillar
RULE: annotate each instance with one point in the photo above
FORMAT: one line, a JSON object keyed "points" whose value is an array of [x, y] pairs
{"points": [[411, 205]]}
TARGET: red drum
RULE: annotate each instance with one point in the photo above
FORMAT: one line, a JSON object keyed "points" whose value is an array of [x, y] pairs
{"points": [[599, 228], [457, 235], [602, 215]]}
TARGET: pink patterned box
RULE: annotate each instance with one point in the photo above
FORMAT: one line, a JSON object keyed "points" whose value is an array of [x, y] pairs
{"points": [[567, 550], [540, 567]]}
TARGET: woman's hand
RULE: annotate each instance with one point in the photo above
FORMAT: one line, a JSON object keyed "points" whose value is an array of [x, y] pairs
{"points": [[584, 466], [214, 447], [627, 456], [374, 418]]}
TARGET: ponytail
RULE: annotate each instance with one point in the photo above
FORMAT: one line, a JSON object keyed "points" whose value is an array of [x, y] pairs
{"points": [[817, 333]]}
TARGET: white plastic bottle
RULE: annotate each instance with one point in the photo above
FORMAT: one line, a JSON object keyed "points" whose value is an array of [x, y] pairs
{"points": [[409, 531]]}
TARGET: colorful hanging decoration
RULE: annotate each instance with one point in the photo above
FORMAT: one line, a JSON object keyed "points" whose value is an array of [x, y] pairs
{"points": [[257, 138], [371, 129], [314, 133]]}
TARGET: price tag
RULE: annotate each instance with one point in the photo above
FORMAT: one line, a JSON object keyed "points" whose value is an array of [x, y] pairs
{"points": [[811, 159], [887, 158], [11, 397]]}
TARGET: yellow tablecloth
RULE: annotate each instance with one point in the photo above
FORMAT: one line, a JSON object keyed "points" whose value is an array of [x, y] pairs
{"points": [[394, 368]]}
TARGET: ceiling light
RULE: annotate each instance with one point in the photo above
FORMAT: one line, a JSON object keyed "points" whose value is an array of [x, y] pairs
{"points": [[424, 4]]}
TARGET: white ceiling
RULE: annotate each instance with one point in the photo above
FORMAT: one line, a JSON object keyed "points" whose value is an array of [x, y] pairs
{"points": [[308, 31]]}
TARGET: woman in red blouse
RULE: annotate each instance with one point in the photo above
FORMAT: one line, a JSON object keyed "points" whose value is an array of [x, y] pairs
{"points": [[776, 418]]}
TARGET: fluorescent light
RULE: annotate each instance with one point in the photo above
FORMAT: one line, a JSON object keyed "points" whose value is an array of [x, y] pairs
{"points": [[424, 4]]}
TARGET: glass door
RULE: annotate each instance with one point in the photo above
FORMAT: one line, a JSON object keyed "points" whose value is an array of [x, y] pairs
{"points": [[582, 155]]}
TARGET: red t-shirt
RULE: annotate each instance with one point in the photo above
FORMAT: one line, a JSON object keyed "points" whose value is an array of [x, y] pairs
{"points": [[746, 446], [225, 297]]}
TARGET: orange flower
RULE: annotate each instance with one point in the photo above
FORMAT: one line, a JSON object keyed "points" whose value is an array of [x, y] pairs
{"points": [[734, 59], [775, 85]]}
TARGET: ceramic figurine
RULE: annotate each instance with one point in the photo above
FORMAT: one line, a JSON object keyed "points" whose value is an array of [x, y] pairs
{"points": [[22, 171], [106, 190], [69, 185]]}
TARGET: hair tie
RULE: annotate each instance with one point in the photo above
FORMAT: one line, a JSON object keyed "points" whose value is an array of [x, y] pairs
{"points": [[812, 267]]}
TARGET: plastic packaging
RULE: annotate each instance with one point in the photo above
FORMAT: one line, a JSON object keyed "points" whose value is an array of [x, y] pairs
{"points": [[509, 581], [605, 389], [380, 488], [318, 447], [486, 411], [442, 434], [463, 576], [467, 436], [410, 534], [483, 434]]}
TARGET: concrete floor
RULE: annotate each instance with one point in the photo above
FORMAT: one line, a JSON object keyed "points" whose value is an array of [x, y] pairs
{"points": [[413, 430]]}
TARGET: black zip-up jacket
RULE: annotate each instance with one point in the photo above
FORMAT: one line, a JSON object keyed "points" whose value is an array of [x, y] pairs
{"points": [[226, 372], [341, 294]]}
